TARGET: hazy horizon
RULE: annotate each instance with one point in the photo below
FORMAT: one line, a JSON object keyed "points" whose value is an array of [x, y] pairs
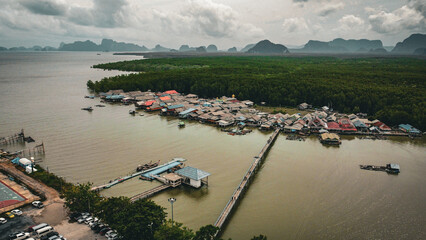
{"points": [[202, 22]]}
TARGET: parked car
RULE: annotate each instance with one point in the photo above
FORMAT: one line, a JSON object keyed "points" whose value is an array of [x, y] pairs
{"points": [[37, 227], [3, 221], [92, 224], [74, 216], [17, 212], [109, 232], [104, 230], [10, 215], [21, 235], [98, 228], [88, 220], [37, 204], [49, 235], [82, 218], [113, 236]]}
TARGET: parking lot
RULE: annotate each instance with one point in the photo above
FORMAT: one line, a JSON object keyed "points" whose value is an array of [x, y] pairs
{"points": [[53, 214], [14, 225]]}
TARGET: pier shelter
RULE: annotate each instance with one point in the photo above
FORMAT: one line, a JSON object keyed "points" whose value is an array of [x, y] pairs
{"points": [[193, 176], [172, 179]]}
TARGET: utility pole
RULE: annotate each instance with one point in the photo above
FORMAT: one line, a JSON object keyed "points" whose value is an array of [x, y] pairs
{"points": [[172, 200]]}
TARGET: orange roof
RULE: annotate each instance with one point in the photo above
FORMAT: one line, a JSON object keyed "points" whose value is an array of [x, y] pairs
{"points": [[170, 92], [149, 103], [165, 98]]}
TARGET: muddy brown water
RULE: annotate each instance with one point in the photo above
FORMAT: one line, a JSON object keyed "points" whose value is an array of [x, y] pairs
{"points": [[303, 191]]}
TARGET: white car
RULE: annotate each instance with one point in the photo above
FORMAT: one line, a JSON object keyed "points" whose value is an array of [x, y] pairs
{"points": [[21, 235], [88, 220], [3, 220], [37, 204], [17, 212]]}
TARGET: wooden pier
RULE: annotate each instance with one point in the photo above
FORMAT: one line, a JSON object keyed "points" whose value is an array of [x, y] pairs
{"points": [[244, 184], [149, 192], [15, 138], [164, 167], [37, 150]]}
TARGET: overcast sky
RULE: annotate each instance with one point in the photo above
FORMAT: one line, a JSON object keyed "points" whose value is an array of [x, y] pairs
{"points": [[226, 23]]}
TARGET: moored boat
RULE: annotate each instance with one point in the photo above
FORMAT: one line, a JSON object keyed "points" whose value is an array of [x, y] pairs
{"points": [[87, 109], [181, 124], [147, 166], [330, 139]]}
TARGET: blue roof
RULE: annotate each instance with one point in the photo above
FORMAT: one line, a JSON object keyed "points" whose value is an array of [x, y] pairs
{"points": [[114, 97], [359, 124], [189, 110], [192, 173], [409, 128], [175, 106], [161, 169]]}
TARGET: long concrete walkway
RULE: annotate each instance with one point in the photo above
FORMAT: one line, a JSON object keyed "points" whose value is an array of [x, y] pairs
{"points": [[237, 194]]}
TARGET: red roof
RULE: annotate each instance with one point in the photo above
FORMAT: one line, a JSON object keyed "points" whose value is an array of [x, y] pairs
{"points": [[384, 127], [149, 103], [347, 125], [165, 98], [333, 126], [170, 92]]}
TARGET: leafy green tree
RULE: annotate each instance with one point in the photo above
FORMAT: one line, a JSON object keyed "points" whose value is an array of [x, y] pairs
{"points": [[207, 232], [260, 237], [79, 198], [133, 221], [173, 231]]}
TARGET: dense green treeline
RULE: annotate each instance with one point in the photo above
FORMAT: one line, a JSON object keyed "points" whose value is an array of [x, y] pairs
{"points": [[391, 89]]}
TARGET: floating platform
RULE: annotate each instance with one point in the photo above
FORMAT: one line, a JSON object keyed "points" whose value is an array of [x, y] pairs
{"points": [[389, 168]]}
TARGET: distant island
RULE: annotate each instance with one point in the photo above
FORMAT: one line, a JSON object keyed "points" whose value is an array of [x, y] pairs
{"points": [[268, 47], [106, 45], [413, 45], [340, 45]]}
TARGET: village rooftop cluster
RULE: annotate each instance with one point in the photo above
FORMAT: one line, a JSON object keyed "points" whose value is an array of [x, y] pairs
{"points": [[229, 111]]}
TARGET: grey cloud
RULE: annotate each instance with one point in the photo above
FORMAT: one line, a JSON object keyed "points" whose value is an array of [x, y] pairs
{"points": [[104, 14], [408, 17], [329, 9], [44, 7], [207, 18], [419, 5]]}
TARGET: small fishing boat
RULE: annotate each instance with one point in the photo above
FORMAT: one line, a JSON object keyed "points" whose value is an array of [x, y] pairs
{"points": [[181, 124], [87, 109], [389, 168], [147, 166], [133, 112], [100, 105], [141, 114]]}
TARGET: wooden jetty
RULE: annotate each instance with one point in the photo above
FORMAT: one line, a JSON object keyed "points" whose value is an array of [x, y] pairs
{"points": [[15, 138], [146, 173], [38, 149], [238, 193], [149, 192]]}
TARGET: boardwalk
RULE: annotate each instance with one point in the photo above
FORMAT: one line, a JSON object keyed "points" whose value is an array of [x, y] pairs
{"points": [[147, 173], [149, 193], [237, 195]]}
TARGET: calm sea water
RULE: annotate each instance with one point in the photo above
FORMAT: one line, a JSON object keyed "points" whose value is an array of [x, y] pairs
{"points": [[303, 191]]}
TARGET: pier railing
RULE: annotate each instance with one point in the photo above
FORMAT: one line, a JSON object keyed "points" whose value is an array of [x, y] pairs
{"points": [[237, 194]]}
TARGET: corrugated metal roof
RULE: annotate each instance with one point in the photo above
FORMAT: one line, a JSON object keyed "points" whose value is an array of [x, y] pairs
{"points": [[192, 173], [161, 169], [187, 111], [175, 106]]}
